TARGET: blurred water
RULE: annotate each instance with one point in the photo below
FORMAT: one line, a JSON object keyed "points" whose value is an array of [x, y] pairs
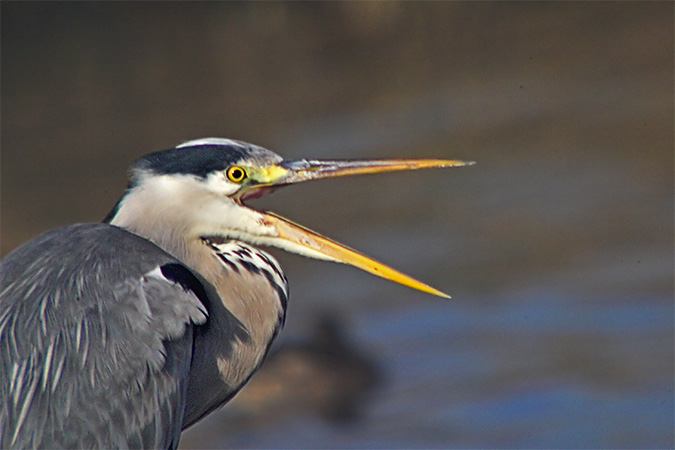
{"points": [[498, 378], [557, 246], [560, 334]]}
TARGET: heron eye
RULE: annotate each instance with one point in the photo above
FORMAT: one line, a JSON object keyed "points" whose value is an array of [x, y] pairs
{"points": [[235, 174]]}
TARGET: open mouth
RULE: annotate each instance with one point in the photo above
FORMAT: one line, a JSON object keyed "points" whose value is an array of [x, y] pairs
{"points": [[295, 238], [255, 192]]}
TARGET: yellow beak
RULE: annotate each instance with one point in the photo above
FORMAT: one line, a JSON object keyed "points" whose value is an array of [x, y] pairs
{"points": [[298, 239]]}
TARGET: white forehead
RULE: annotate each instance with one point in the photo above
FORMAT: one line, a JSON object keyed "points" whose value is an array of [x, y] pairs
{"points": [[212, 141]]}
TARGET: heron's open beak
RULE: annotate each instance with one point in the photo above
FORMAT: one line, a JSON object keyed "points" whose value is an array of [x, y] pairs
{"points": [[298, 239]]}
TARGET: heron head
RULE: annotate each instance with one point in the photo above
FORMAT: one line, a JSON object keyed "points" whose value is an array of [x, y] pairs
{"points": [[199, 190]]}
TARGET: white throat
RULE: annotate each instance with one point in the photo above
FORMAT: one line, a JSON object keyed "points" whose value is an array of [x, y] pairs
{"points": [[174, 211]]}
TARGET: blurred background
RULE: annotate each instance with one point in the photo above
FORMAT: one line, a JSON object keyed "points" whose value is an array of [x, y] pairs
{"points": [[557, 246]]}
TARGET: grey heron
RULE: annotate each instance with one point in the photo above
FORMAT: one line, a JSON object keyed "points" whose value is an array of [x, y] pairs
{"points": [[124, 333]]}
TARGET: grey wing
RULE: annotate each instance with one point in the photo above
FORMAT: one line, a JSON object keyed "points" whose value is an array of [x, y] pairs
{"points": [[96, 336]]}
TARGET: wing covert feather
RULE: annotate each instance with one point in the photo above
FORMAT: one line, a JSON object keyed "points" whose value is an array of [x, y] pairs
{"points": [[95, 341]]}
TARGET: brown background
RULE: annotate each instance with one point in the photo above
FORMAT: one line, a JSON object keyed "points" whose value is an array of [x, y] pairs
{"points": [[557, 246]]}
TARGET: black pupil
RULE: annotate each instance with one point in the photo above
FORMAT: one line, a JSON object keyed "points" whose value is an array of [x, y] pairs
{"points": [[237, 174]]}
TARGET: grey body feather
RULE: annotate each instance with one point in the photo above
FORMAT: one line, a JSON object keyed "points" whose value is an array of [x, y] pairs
{"points": [[106, 359], [120, 335]]}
